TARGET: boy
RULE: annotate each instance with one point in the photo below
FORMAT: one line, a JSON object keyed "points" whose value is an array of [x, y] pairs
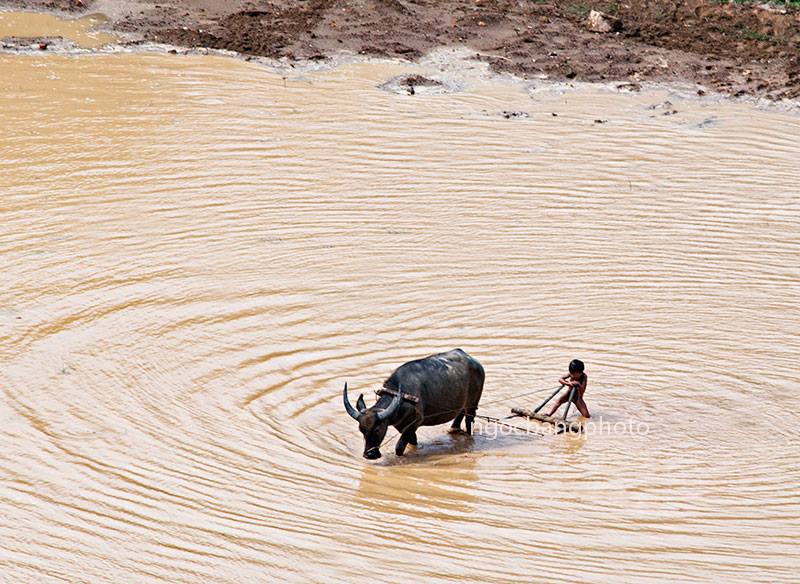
{"points": [[577, 379]]}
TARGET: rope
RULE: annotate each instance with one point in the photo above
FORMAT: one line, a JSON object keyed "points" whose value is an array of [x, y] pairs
{"points": [[489, 418], [497, 401], [533, 392]]}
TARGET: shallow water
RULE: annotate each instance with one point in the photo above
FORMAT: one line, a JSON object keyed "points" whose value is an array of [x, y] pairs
{"points": [[81, 32], [196, 254]]}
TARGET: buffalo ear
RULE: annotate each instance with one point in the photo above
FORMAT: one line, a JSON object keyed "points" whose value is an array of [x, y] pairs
{"points": [[360, 405]]}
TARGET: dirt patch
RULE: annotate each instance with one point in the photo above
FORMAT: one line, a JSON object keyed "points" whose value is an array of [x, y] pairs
{"points": [[418, 81], [59, 5], [737, 48], [413, 84], [28, 43]]}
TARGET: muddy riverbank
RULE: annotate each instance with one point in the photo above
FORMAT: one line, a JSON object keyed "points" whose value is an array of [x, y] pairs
{"points": [[736, 48]]}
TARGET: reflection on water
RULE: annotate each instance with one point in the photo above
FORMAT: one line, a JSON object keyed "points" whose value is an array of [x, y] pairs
{"points": [[196, 256], [435, 487]]}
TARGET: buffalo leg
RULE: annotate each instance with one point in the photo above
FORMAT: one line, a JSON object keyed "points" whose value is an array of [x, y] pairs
{"points": [[400, 447], [470, 416], [456, 425], [412, 438], [407, 437]]}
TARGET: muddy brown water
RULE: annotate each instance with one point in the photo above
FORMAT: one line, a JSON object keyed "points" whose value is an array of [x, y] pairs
{"points": [[196, 254], [82, 32]]}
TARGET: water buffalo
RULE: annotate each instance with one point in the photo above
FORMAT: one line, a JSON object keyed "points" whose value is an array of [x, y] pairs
{"points": [[448, 387]]}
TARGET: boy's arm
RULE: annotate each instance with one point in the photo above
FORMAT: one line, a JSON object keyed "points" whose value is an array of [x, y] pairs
{"points": [[569, 382]]}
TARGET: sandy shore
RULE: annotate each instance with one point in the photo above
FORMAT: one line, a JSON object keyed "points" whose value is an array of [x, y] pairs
{"points": [[735, 48]]}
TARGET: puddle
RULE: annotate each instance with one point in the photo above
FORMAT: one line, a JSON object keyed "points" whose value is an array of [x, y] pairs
{"points": [[30, 28]]}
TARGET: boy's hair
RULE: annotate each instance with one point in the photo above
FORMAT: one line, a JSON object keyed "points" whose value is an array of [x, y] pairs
{"points": [[576, 366]]}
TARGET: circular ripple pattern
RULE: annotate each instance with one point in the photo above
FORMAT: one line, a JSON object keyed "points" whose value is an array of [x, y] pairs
{"points": [[196, 255]]}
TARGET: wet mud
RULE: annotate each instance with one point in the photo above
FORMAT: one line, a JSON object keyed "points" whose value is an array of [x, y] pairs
{"points": [[738, 48]]}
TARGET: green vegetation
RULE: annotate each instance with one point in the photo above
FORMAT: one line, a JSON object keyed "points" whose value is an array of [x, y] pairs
{"points": [[754, 35], [579, 9]]}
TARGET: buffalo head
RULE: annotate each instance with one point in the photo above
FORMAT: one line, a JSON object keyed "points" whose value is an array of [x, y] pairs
{"points": [[372, 422]]}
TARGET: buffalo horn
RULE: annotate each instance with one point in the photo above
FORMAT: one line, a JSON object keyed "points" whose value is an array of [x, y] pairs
{"points": [[384, 414], [350, 409]]}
